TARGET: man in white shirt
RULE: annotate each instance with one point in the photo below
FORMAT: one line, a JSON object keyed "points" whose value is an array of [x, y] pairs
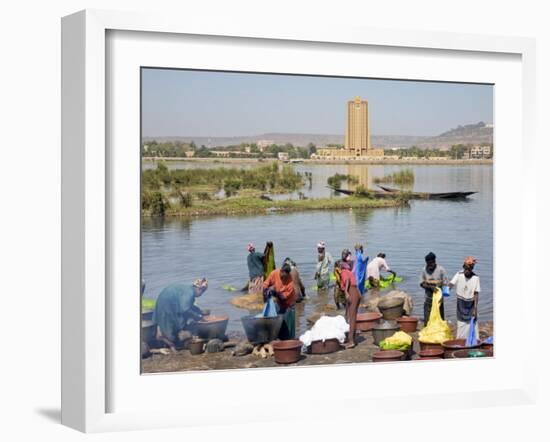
{"points": [[467, 287], [373, 270]]}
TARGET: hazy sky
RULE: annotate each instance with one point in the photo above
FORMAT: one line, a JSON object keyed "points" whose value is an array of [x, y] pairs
{"points": [[199, 103]]}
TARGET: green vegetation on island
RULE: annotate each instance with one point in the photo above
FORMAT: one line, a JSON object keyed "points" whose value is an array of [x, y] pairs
{"points": [[254, 205], [337, 179], [270, 178], [191, 192], [401, 177]]}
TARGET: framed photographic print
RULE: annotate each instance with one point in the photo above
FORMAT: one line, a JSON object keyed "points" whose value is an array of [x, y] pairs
{"points": [[282, 207]]}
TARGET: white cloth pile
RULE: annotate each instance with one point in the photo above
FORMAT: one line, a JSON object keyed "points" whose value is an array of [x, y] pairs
{"points": [[326, 327]]}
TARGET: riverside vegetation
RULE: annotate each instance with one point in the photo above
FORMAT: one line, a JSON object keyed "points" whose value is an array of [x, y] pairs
{"points": [[401, 177], [222, 191]]}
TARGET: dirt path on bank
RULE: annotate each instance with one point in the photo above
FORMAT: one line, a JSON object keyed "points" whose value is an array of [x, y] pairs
{"points": [[184, 361]]}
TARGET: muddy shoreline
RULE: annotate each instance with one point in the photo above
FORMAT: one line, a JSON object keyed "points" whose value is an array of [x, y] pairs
{"points": [[183, 360]]}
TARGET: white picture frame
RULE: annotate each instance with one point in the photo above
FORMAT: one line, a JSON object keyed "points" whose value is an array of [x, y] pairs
{"points": [[89, 230]]}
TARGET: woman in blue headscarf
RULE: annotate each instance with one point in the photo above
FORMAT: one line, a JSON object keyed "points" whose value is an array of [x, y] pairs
{"points": [[175, 308]]}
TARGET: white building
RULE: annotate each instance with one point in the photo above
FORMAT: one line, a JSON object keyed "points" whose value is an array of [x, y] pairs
{"points": [[480, 151], [283, 156]]}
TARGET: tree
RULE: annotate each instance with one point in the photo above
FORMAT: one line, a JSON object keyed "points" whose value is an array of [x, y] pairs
{"points": [[457, 151], [311, 149], [158, 204]]}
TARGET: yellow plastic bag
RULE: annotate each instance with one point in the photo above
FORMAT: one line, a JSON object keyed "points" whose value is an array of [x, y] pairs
{"points": [[398, 341], [437, 330]]}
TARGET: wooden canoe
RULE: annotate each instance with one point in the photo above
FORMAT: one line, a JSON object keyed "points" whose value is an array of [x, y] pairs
{"points": [[430, 195], [388, 192]]}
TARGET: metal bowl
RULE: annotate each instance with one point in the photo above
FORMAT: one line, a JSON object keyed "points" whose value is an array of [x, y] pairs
{"points": [[212, 327], [391, 308], [147, 315], [384, 330], [148, 331], [261, 330]]}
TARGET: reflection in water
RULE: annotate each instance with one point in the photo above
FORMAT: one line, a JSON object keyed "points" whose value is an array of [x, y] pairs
{"points": [[360, 172], [181, 249]]}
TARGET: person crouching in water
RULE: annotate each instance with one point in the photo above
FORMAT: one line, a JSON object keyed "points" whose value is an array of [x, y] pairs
{"points": [[255, 263], [322, 270], [353, 296], [280, 286], [175, 310], [299, 288], [467, 288], [373, 272]]}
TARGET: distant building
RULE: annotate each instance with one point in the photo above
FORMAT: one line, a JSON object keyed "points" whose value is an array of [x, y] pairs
{"points": [[478, 152], [228, 153], [357, 140], [220, 153]]}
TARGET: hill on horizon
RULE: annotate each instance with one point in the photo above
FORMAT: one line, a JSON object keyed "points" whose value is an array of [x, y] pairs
{"points": [[468, 134]]}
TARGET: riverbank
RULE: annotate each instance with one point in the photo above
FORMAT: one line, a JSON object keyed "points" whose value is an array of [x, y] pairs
{"points": [[373, 161], [362, 353], [247, 205]]}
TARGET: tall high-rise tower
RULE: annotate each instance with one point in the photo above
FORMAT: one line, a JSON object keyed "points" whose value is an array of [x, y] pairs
{"points": [[357, 129]]}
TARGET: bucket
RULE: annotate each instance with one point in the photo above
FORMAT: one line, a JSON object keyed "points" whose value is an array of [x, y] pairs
{"points": [[445, 290], [471, 353], [287, 352], [456, 344], [431, 353], [388, 356], [407, 353], [196, 346], [323, 347], [366, 321], [430, 346], [391, 308], [408, 324]]}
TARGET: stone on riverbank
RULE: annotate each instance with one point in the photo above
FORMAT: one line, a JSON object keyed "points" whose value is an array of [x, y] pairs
{"points": [[214, 346], [243, 348]]}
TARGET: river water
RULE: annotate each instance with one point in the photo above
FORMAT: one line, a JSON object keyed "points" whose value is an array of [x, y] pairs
{"points": [[180, 250]]}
